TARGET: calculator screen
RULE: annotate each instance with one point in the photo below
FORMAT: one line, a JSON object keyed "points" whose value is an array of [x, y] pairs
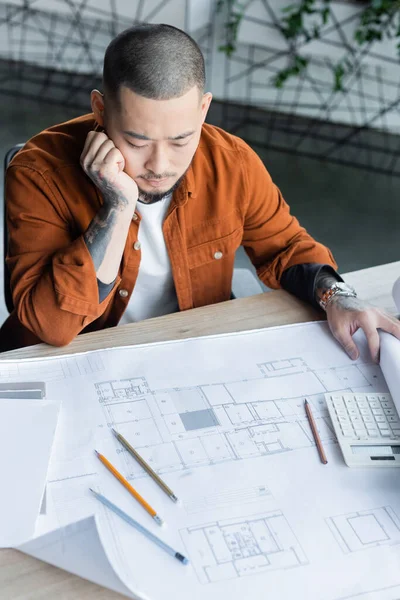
{"points": [[376, 450]]}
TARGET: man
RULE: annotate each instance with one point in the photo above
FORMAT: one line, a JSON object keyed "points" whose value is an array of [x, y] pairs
{"points": [[137, 209]]}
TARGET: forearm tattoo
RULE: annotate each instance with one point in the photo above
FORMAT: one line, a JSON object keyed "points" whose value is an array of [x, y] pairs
{"points": [[99, 233]]}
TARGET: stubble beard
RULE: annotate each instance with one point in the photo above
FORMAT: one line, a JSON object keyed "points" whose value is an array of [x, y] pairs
{"points": [[153, 197]]}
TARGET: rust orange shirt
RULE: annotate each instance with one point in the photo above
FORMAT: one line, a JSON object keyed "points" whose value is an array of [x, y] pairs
{"points": [[226, 199]]}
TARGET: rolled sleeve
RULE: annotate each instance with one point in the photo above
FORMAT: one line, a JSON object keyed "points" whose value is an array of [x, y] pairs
{"points": [[53, 279], [273, 238], [300, 280]]}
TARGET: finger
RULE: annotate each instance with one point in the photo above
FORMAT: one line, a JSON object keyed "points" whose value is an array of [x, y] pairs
{"points": [[390, 325], [109, 169], [344, 338], [88, 142], [102, 152], [115, 156], [372, 335], [94, 152], [94, 140]]}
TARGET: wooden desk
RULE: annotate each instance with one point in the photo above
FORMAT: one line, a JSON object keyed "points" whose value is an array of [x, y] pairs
{"points": [[23, 577]]}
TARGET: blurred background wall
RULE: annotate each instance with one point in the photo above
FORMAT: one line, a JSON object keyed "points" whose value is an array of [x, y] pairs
{"points": [[328, 133]]}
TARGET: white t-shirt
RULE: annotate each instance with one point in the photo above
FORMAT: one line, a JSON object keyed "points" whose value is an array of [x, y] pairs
{"points": [[154, 292]]}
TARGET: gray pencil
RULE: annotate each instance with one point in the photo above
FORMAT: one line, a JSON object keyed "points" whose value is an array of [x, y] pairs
{"points": [[118, 511], [145, 466]]}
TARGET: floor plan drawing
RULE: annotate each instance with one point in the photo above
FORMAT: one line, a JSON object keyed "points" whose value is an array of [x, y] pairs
{"points": [[189, 427], [64, 368], [222, 420], [226, 498], [239, 547], [364, 529], [80, 366]]}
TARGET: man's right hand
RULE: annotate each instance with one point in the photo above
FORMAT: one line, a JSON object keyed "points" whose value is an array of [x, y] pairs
{"points": [[104, 164]]}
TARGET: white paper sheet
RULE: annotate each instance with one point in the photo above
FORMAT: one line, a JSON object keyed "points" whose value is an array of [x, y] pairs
{"points": [[78, 549], [390, 364], [396, 294], [222, 420], [27, 430]]}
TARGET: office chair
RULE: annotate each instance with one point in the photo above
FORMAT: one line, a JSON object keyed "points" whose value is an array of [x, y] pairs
{"points": [[7, 288]]}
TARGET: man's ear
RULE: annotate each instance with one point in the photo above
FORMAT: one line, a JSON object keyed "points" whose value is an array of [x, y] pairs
{"points": [[205, 105], [97, 103]]}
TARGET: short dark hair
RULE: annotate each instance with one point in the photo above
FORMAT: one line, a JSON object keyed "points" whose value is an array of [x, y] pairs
{"points": [[154, 61]]}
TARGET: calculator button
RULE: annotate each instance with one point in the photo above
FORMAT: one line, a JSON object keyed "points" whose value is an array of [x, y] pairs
{"points": [[337, 399], [361, 432], [373, 432], [383, 427], [347, 432], [385, 432], [355, 420], [343, 420], [341, 412], [377, 411], [349, 405], [348, 399], [365, 411], [339, 406], [364, 416], [389, 411], [384, 398], [380, 419]]}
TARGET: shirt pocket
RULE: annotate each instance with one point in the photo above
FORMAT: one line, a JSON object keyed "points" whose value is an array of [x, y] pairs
{"points": [[214, 250]]}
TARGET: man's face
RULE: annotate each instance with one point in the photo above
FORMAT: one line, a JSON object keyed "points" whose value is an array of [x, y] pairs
{"points": [[157, 138]]}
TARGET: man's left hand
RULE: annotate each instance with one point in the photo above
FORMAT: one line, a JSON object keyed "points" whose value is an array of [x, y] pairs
{"points": [[347, 315]]}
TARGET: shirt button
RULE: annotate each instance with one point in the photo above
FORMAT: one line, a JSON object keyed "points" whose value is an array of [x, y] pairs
{"points": [[218, 255], [137, 245], [123, 293], [135, 217]]}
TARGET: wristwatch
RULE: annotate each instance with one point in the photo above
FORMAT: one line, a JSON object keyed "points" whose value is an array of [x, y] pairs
{"points": [[337, 289]]}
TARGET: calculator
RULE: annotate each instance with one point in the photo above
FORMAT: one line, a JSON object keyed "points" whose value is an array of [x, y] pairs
{"points": [[367, 427]]}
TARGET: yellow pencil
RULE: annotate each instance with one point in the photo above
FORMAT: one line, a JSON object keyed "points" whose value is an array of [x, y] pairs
{"points": [[130, 488]]}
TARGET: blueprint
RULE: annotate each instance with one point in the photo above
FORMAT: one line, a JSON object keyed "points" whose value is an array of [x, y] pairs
{"points": [[222, 420]]}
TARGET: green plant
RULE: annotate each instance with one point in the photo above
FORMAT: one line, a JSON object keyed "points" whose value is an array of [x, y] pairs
{"points": [[235, 12], [297, 66], [302, 22]]}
